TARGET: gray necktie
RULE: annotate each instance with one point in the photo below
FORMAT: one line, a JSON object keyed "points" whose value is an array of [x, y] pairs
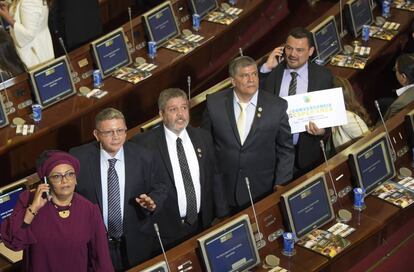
{"points": [[293, 83], [114, 203]]}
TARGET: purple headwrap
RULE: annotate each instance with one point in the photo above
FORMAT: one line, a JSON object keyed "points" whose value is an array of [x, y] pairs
{"points": [[54, 158]]}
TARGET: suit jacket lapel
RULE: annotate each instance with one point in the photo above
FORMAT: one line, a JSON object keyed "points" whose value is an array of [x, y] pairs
{"points": [[130, 178], [163, 149], [256, 118], [200, 151], [230, 113], [312, 78], [95, 162], [278, 78]]}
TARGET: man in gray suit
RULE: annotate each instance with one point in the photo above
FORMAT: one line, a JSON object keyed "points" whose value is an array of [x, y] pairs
{"points": [[251, 133]]}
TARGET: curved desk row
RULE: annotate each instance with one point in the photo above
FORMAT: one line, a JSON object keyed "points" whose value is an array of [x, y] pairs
{"points": [[373, 225], [70, 122]]}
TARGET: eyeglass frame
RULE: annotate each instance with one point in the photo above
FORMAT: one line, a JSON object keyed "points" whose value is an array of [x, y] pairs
{"points": [[57, 178], [111, 133]]}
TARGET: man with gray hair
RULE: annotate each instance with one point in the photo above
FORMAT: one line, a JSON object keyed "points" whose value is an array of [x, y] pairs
{"points": [[251, 133], [125, 181], [195, 193]]}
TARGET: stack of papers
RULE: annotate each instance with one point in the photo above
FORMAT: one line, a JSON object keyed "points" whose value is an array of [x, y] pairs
{"points": [[399, 193], [324, 242]]}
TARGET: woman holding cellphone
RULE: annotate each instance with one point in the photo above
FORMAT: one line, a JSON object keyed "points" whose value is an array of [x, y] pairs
{"points": [[58, 229]]}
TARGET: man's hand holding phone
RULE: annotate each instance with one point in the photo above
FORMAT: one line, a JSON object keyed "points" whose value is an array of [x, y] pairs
{"points": [[275, 57]]}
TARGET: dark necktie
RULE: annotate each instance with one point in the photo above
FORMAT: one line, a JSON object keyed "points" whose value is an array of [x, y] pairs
{"points": [[293, 83], [188, 184], [114, 202]]}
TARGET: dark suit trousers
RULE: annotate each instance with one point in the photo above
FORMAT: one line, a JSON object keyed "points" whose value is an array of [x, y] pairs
{"points": [[184, 232], [118, 254]]}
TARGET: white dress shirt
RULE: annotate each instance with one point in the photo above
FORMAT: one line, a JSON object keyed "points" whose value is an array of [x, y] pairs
{"points": [[402, 90], [120, 170], [192, 161]]}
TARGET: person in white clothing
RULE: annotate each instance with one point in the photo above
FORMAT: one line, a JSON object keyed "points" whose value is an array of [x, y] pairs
{"points": [[29, 28], [358, 118]]}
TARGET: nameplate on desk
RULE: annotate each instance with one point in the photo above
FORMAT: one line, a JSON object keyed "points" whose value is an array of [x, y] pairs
{"points": [[83, 62]]}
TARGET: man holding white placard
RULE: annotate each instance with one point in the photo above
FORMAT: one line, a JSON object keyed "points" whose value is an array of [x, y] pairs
{"points": [[288, 71]]}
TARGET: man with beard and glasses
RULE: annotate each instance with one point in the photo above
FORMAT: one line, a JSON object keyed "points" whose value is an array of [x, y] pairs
{"points": [[288, 71], [195, 193]]}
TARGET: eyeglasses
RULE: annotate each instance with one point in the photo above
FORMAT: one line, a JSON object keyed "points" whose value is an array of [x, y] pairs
{"points": [[58, 178], [112, 133]]}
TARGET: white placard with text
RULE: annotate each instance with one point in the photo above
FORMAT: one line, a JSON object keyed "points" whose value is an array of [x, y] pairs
{"points": [[326, 108]]}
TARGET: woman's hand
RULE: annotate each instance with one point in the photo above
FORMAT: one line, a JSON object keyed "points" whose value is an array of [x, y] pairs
{"points": [[39, 201]]}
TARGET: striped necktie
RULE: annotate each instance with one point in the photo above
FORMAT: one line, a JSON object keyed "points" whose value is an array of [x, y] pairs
{"points": [[114, 202], [293, 83]]}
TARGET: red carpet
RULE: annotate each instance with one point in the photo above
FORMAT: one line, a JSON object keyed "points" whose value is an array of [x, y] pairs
{"points": [[395, 254]]}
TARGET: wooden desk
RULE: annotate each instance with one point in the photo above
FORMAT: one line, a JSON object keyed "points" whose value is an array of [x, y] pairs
{"points": [[377, 79], [375, 223], [70, 122]]}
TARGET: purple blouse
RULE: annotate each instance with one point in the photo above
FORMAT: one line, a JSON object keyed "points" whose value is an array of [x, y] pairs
{"points": [[52, 243]]}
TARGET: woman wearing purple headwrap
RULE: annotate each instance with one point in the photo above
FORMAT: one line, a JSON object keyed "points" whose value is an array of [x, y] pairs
{"points": [[58, 229]]}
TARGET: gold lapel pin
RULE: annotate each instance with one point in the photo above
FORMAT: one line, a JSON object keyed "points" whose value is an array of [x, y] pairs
{"points": [[259, 112]]}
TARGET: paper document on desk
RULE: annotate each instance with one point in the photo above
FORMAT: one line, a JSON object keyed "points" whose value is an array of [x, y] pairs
{"points": [[325, 108], [10, 255]]}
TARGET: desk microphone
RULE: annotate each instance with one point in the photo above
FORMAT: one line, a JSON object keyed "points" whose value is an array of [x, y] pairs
{"points": [[393, 154], [259, 234], [322, 144], [157, 230], [130, 29], [189, 87], [343, 214], [62, 44]]}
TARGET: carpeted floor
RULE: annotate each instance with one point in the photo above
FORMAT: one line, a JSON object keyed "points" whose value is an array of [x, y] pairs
{"points": [[395, 254]]}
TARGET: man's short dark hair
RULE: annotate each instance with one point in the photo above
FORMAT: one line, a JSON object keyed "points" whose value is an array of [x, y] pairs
{"points": [[300, 33], [108, 114], [240, 62], [405, 65]]}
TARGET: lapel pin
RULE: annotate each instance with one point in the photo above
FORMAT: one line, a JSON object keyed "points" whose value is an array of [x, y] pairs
{"points": [[259, 109], [199, 152], [259, 115]]}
